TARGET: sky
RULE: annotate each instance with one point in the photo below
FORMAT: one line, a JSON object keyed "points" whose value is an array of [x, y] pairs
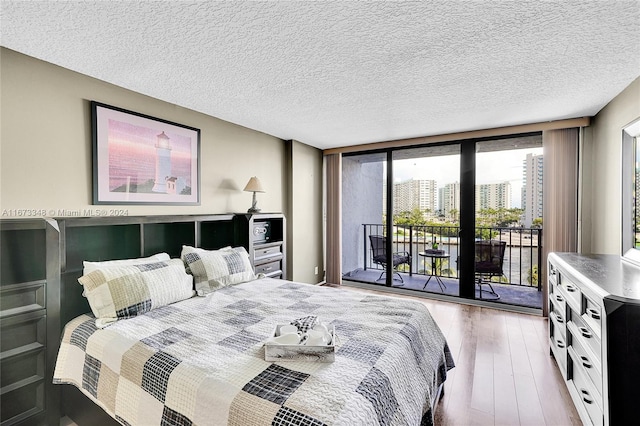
{"points": [[492, 167]]}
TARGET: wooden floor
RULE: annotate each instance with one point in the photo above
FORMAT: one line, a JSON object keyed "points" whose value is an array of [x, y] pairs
{"points": [[504, 374]]}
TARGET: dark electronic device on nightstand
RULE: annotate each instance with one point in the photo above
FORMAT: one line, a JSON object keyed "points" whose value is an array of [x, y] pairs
{"points": [[261, 232]]}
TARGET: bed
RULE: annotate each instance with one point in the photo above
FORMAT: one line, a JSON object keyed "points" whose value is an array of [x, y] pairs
{"points": [[200, 359]]}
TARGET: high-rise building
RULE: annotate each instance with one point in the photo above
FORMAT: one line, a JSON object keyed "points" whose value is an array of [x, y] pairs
{"points": [[493, 196], [450, 200], [532, 188], [410, 194]]}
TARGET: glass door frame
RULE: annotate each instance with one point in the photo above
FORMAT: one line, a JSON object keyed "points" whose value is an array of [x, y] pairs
{"points": [[467, 214]]}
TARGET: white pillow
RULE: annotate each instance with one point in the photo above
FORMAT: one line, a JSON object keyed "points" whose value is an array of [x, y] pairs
{"points": [[214, 269], [92, 266]]}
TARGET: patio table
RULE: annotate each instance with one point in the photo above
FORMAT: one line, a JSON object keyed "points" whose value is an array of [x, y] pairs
{"points": [[434, 255]]}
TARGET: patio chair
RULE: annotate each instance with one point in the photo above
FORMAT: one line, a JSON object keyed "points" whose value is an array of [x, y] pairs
{"points": [[379, 252], [488, 264]]}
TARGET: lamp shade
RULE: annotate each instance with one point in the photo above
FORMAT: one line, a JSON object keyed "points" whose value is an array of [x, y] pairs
{"points": [[254, 185]]}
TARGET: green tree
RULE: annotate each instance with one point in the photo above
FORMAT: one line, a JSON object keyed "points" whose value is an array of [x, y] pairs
{"points": [[498, 218], [415, 217], [532, 276], [454, 215]]}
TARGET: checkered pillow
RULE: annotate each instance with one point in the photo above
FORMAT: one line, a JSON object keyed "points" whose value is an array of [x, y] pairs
{"points": [[119, 292], [214, 269]]}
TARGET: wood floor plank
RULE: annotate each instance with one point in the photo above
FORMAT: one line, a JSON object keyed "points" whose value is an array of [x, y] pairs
{"points": [[483, 373], [529, 408], [506, 403], [517, 347]]}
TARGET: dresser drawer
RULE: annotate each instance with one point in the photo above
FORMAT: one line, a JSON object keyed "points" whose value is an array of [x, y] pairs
{"points": [[559, 300], [269, 269], [552, 274], [570, 290], [21, 402], [22, 367], [587, 396], [590, 366], [558, 324], [559, 349], [558, 307], [22, 333], [266, 252], [22, 298], [589, 338], [592, 312]]}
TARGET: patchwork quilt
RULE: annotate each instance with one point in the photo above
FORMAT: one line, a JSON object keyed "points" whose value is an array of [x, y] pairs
{"points": [[201, 361]]}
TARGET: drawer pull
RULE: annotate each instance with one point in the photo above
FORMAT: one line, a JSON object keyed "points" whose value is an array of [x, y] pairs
{"points": [[552, 272], [559, 298], [586, 397], [585, 362], [593, 313], [268, 268], [560, 344], [557, 317], [586, 333], [571, 288]]}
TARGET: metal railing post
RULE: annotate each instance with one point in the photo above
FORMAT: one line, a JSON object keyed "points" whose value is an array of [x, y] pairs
{"points": [[539, 259], [411, 250], [364, 252]]}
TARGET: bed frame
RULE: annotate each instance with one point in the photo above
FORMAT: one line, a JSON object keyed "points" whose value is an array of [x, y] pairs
{"points": [[55, 249]]}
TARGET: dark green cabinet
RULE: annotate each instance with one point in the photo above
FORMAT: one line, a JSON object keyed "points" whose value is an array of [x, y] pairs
{"points": [[28, 286]]}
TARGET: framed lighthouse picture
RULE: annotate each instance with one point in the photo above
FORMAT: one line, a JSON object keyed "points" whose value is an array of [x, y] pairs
{"points": [[138, 159]]}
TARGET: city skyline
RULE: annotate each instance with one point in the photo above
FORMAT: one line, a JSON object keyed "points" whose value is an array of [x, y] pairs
{"points": [[426, 196], [446, 170]]}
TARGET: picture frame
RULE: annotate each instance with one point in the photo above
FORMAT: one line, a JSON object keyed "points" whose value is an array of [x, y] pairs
{"points": [[139, 159]]}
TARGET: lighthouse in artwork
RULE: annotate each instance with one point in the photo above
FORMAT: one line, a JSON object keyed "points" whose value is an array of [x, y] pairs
{"points": [[163, 163]]}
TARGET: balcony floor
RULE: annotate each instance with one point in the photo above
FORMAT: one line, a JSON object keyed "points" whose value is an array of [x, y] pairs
{"points": [[514, 295]]}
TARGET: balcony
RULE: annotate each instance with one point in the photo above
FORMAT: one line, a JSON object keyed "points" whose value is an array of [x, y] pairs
{"points": [[520, 284]]}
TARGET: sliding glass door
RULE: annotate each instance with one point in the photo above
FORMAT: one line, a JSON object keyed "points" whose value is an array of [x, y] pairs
{"points": [[417, 217], [508, 212], [363, 199], [425, 216]]}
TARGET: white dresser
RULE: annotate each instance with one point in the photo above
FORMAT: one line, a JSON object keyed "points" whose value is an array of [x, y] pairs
{"points": [[594, 331]]}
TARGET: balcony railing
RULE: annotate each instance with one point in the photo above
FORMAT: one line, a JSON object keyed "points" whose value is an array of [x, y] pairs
{"points": [[522, 259]]}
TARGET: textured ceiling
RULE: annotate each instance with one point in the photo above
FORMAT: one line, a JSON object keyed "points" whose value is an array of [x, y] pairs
{"points": [[341, 73]]}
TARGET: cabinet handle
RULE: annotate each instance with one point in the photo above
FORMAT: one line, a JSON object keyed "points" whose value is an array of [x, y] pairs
{"points": [[571, 288], [593, 313], [586, 397], [585, 362], [560, 344], [558, 318], [585, 332]]}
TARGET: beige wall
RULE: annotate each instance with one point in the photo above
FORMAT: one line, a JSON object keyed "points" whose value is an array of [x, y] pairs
{"points": [[46, 149], [601, 177], [46, 144], [305, 197]]}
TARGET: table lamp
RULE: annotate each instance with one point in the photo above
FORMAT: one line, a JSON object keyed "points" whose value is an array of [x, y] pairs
{"points": [[254, 186]]}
